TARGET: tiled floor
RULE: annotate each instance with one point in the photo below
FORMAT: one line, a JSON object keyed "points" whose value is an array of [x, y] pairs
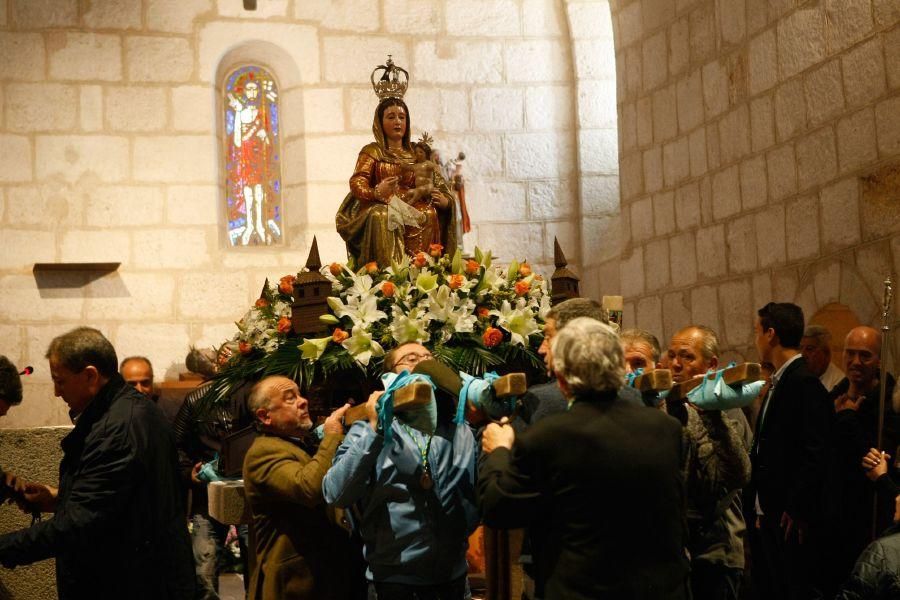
{"points": [[231, 587]]}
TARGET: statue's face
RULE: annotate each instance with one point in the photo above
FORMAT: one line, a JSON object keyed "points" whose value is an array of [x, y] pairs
{"points": [[420, 154], [393, 123], [252, 91]]}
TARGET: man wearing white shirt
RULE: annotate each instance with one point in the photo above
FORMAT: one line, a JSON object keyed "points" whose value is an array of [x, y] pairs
{"points": [[788, 457], [816, 349]]}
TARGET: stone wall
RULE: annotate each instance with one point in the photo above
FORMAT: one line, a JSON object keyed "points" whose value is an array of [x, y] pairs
{"points": [[33, 454], [759, 152], [110, 128]]}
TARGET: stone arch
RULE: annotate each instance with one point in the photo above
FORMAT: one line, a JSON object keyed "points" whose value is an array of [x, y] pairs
{"points": [[286, 72], [597, 143]]}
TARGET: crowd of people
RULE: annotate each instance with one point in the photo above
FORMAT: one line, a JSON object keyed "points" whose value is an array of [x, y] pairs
{"points": [[621, 493]]}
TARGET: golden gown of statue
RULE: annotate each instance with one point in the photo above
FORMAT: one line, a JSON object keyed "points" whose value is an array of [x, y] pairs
{"points": [[362, 219]]}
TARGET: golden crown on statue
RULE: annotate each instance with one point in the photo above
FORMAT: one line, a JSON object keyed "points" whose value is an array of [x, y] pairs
{"points": [[390, 84]]}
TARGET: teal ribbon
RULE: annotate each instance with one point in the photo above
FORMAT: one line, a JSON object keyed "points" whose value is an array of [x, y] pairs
{"points": [[385, 407], [479, 391], [630, 377], [715, 394]]}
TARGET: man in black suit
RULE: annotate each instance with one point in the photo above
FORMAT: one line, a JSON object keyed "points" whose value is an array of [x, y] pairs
{"points": [[788, 457], [599, 485]]}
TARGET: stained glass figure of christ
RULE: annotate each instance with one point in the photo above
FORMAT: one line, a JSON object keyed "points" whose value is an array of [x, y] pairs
{"points": [[252, 158]]}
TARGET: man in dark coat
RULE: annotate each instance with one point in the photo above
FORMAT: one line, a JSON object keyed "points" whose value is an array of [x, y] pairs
{"points": [[876, 575], [599, 485], [788, 458], [118, 529], [854, 430]]}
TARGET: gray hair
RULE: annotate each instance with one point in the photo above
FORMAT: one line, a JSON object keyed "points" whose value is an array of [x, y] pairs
{"points": [[589, 356], [629, 336], [819, 333], [259, 395], [709, 341], [83, 347], [574, 308]]}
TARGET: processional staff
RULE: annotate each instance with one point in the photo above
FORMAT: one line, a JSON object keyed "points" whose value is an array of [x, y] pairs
{"points": [[887, 297], [885, 329]]}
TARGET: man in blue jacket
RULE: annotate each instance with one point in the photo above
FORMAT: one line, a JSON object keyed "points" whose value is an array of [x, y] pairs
{"points": [[411, 482]]}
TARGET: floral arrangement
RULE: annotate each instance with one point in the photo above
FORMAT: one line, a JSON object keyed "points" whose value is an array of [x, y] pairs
{"points": [[471, 314]]}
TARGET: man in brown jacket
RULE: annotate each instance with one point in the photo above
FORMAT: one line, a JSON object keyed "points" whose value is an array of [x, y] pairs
{"points": [[303, 548]]}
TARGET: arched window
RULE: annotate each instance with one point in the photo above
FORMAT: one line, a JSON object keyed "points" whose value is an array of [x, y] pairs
{"points": [[252, 158]]}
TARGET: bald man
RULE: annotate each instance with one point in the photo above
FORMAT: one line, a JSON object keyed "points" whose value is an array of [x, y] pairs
{"points": [[303, 548], [854, 430], [716, 469]]}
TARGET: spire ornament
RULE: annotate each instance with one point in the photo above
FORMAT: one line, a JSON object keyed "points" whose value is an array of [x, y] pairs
{"points": [[393, 81]]}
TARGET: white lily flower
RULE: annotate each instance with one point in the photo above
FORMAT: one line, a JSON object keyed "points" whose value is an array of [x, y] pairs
{"points": [[518, 321], [361, 346], [364, 311], [412, 327], [446, 307], [313, 349], [337, 306], [362, 286]]}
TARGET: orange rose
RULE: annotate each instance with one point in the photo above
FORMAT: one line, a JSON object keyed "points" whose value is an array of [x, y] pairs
{"points": [[456, 282], [435, 250], [339, 335], [261, 303], [284, 325], [522, 287], [335, 269], [286, 284], [371, 267], [538, 278], [244, 347], [492, 337], [483, 312], [420, 260], [471, 267], [524, 269], [388, 289]]}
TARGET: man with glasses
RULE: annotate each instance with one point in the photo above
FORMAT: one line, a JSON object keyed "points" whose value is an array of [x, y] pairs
{"points": [[411, 482]]}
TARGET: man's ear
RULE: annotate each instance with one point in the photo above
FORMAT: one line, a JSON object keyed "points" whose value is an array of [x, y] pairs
{"points": [[714, 363], [262, 415]]}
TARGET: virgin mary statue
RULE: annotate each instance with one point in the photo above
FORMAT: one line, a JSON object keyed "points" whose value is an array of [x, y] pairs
{"points": [[372, 228]]}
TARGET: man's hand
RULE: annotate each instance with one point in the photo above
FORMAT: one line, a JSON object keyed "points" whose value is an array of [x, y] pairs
{"points": [[875, 463], [848, 402], [13, 484], [334, 424], [372, 410], [500, 435], [194, 474], [41, 497], [790, 526]]}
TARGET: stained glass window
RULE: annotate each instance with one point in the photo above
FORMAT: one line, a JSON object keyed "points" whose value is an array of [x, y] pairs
{"points": [[252, 158]]}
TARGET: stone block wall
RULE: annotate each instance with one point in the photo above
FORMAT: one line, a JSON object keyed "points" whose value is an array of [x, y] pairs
{"points": [[110, 128], [759, 159], [34, 455]]}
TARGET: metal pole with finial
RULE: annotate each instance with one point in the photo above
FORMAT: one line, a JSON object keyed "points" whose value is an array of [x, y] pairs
{"points": [[886, 299]]}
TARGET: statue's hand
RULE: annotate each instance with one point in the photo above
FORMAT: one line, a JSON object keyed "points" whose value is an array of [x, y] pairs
{"points": [[440, 200], [387, 188]]}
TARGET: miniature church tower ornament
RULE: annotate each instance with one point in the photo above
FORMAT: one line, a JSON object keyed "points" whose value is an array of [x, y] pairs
{"points": [[564, 283], [311, 290]]}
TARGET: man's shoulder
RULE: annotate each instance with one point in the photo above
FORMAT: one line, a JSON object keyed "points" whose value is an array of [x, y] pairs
{"points": [[265, 445]]}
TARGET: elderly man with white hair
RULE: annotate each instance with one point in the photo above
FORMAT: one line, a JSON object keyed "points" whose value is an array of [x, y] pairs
{"points": [[600, 485]]}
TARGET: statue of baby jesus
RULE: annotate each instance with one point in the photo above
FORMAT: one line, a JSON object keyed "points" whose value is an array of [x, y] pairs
{"points": [[424, 169]]}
